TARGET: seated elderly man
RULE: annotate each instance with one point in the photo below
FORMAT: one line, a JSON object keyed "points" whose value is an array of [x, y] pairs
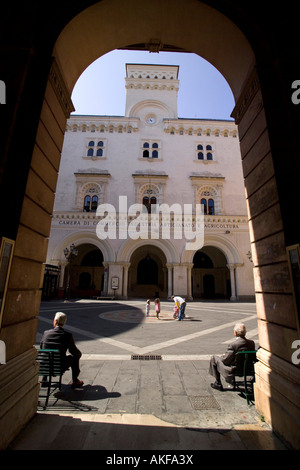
{"points": [[225, 365], [58, 338]]}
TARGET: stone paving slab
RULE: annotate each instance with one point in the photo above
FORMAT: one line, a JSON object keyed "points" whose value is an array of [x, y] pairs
{"points": [[164, 404]]}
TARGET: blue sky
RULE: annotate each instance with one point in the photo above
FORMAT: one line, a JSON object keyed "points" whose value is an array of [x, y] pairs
{"points": [[203, 91]]}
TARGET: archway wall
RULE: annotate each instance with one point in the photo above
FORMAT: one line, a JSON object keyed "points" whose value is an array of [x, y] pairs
{"points": [[19, 321], [277, 378], [79, 238], [192, 26]]}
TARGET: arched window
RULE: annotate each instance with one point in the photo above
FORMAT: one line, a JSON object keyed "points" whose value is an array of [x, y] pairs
{"points": [[87, 204], [211, 207], [98, 151], [90, 150], [148, 202], [207, 154], [90, 203], [94, 203], [150, 149]]}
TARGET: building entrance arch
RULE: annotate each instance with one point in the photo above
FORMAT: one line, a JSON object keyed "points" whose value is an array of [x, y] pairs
{"points": [[211, 275], [87, 272], [147, 275], [40, 103]]}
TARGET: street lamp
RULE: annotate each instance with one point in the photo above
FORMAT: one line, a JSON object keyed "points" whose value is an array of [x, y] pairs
{"points": [[70, 254]]}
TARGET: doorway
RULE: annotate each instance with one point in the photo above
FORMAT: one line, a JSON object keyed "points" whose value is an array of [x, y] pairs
{"points": [[147, 276]]}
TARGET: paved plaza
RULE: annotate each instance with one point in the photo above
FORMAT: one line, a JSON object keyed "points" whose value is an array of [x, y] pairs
{"points": [[146, 381]]}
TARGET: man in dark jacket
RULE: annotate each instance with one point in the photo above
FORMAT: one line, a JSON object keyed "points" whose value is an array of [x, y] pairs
{"points": [[225, 365], [58, 338]]}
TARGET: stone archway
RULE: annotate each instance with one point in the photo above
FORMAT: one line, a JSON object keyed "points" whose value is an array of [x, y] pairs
{"points": [[171, 25], [87, 272], [210, 275], [147, 275]]}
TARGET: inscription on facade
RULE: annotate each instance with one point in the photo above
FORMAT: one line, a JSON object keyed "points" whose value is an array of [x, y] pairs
{"points": [[93, 223]]}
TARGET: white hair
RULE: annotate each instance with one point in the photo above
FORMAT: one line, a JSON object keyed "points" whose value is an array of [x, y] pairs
{"points": [[61, 318], [240, 329]]}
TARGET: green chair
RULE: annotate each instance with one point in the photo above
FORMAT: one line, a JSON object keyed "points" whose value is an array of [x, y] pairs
{"points": [[245, 361], [50, 366]]}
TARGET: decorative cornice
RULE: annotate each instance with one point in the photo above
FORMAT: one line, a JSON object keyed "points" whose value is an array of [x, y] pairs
{"points": [[93, 172], [103, 124], [61, 91], [206, 176], [200, 127], [149, 174]]}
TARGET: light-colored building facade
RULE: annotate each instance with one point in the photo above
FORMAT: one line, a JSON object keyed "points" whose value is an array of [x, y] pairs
{"points": [[150, 156]]}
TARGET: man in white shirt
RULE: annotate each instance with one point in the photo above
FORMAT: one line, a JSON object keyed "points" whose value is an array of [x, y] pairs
{"points": [[182, 304]]}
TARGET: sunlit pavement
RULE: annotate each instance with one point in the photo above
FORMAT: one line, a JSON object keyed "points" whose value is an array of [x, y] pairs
{"points": [[146, 382]]}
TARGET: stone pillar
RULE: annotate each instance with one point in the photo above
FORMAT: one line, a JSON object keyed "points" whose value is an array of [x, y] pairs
{"points": [[169, 267], [277, 381], [125, 280], [115, 271], [42, 146], [231, 268], [63, 265], [105, 280], [189, 268], [180, 283]]}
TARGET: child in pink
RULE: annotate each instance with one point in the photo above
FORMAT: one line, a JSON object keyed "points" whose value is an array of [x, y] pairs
{"points": [[176, 311]]}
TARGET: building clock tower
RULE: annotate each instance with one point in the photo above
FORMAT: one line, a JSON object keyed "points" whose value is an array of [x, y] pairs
{"points": [[151, 92]]}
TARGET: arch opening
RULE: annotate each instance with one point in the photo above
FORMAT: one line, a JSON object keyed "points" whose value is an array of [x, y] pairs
{"points": [[85, 273], [210, 274], [147, 273], [221, 42]]}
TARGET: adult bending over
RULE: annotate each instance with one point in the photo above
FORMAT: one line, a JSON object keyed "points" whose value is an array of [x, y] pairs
{"points": [[182, 304]]}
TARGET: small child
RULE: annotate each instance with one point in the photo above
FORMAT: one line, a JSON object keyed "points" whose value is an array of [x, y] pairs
{"points": [[157, 307], [147, 308], [176, 311]]}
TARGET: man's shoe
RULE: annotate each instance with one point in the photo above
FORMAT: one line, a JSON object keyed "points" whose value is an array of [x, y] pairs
{"points": [[217, 386], [76, 384]]}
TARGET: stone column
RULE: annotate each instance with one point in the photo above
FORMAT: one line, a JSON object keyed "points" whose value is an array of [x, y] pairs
{"points": [[105, 280], [170, 279], [231, 268], [115, 270], [265, 170], [38, 166], [125, 280], [189, 281], [63, 265]]}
